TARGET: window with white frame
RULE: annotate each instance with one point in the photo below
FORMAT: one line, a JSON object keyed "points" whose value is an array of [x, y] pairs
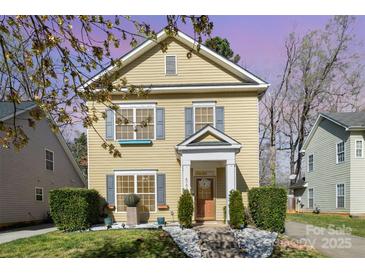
{"points": [[39, 194], [49, 160], [204, 114], [340, 152], [359, 148], [310, 163], [170, 65], [340, 195], [310, 198], [135, 122], [143, 184]]}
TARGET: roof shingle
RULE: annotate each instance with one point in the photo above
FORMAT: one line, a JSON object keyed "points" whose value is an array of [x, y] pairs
{"points": [[7, 108], [347, 119]]}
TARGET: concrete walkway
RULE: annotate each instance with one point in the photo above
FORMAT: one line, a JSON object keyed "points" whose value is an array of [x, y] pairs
{"points": [[25, 232], [331, 243]]}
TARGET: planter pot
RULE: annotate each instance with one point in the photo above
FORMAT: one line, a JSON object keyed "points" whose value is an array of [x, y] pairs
{"points": [[132, 216], [108, 221], [161, 220]]}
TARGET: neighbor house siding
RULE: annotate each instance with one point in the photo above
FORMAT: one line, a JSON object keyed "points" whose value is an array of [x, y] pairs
{"points": [[357, 185], [241, 123], [21, 172], [326, 172], [149, 69]]}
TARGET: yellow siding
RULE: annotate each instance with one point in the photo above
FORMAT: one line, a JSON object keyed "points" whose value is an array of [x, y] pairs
{"points": [[241, 123], [150, 68], [207, 137]]}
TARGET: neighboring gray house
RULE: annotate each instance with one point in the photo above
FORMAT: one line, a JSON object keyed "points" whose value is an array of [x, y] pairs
{"points": [[27, 176], [334, 165]]}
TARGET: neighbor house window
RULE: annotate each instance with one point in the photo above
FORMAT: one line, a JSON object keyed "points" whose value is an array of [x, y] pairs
{"points": [[340, 152], [310, 198], [49, 160], [310, 163], [204, 114], [340, 196], [359, 144], [135, 122], [141, 183], [39, 194], [170, 65]]}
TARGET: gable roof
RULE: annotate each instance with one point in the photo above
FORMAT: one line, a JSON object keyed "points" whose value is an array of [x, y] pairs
{"points": [[7, 112], [244, 74], [350, 121], [223, 140]]}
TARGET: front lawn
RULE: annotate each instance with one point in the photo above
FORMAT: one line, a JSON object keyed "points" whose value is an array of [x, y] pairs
{"points": [[324, 220], [101, 244]]}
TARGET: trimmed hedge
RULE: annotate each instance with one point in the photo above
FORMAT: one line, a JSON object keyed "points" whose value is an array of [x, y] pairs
{"points": [[236, 210], [186, 209], [74, 208], [268, 207]]}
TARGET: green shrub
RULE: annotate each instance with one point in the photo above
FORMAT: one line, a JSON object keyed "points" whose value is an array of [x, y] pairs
{"points": [[268, 207], [186, 209], [131, 200], [236, 209], [74, 208]]}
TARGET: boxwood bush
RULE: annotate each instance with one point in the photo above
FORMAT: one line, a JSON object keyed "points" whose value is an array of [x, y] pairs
{"points": [[74, 208], [236, 209], [186, 209], [268, 207]]}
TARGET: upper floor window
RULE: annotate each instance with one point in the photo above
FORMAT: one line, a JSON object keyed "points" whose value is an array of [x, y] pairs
{"points": [[310, 198], [39, 193], [359, 148], [340, 195], [135, 122], [204, 114], [340, 152], [310, 163], [49, 160], [170, 65]]}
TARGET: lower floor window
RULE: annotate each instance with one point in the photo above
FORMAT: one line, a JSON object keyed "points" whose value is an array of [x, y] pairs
{"points": [[39, 194], [340, 192], [310, 198], [144, 185]]}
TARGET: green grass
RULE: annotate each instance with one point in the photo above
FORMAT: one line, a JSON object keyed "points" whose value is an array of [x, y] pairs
{"points": [[100, 244], [356, 225]]}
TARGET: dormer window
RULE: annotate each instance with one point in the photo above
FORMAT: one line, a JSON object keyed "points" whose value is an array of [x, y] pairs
{"points": [[170, 65]]}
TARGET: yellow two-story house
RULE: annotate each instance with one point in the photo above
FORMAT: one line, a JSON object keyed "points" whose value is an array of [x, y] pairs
{"points": [[202, 132]]}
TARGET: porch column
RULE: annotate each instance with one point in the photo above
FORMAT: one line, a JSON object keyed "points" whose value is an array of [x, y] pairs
{"points": [[230, 183], [185, 175]]}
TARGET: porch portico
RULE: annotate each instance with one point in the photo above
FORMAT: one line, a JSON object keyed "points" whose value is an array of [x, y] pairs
{"points": [[201, 155]]}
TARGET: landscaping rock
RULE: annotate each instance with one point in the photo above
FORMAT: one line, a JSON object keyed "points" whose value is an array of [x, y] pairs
{"points": [[186, 239], [256, 243]]}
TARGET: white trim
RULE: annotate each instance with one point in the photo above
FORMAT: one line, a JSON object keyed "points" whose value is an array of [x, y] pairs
{"points": [[134, 173], [308, 169], [205, 51], [45, 159], [204, 104], [88, 160], [171, 55], [344, 152], [344, 201], [35, 193], [135, 106], [312, 188], [362, 148]]}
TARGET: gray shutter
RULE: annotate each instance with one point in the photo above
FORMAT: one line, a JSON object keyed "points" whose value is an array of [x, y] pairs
{"points": [[188, 122], [219, 118], [160, 123], [110, 189], [161, 189], [109, 124]]}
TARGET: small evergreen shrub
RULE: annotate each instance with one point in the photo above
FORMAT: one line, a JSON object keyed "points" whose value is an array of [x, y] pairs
{"points": [[131, 200], [74, 208], [236, 209], [268, 207], [186, 209]]}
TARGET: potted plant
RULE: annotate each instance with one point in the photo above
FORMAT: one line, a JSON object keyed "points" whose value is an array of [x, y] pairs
{"points": [[108, 219], [131, 201]]}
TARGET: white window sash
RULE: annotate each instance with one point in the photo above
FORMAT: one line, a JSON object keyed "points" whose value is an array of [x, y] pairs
{"points": [[340, 196], [361, 148], [338, 153], [51, 161], [309, 163], [310, 198], [204, 104], [166, 65], [36, 195]]}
